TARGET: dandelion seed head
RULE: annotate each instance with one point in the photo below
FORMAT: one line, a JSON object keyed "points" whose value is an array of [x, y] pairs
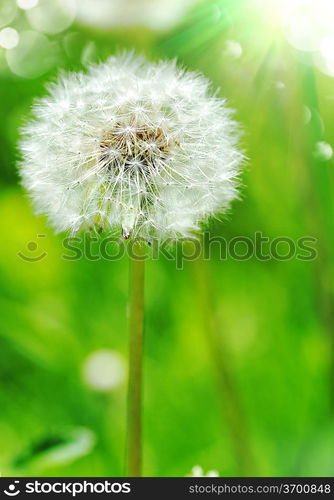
{"points": [[133, 147]]}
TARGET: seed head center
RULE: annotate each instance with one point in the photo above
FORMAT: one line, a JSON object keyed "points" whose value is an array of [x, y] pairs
{"points": [[133, 150]]}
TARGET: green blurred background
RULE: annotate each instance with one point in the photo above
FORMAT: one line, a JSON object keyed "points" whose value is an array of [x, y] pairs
{"points": [[239, 361]]}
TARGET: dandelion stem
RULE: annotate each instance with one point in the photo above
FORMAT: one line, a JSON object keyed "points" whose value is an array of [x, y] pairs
{"points": [[136, 338]]}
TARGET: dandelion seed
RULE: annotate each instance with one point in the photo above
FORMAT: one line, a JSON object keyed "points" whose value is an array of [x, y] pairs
{"points": [[135, 147]]}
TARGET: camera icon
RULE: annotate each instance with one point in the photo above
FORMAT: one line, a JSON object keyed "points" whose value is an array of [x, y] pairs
{"points": [[33, 248], [13, 492]]}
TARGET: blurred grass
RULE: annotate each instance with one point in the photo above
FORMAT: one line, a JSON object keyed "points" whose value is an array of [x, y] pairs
{"points": [[276, 318]]}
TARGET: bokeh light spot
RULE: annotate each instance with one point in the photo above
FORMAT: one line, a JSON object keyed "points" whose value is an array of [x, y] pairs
{"points": [[323, 151], [8, 11], [27, 4], [156, 14], [307, 115], [104, 370], [33, 56], [52, 16], [9, 38], [233, 49]]}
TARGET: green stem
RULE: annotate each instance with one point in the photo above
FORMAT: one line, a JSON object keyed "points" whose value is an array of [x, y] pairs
{"points": [[136, 337], [221, 360]]}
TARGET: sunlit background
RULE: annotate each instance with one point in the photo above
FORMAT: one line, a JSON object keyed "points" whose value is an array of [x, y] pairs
{"points": [[265, 404]]}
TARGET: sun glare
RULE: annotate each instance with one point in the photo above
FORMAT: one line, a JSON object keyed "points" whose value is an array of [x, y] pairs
{"points": [[308, 25]]}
